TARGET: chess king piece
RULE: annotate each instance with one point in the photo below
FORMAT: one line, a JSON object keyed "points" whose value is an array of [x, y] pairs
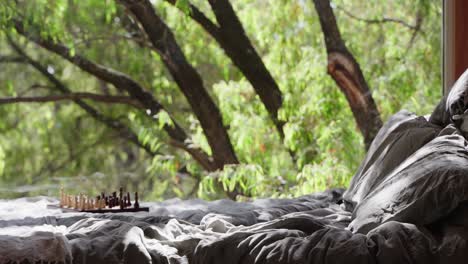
{"points": [[98, 202], [121, 204]]}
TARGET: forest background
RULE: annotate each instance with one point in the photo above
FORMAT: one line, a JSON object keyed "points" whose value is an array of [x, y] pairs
{"points": [[205, 98]]}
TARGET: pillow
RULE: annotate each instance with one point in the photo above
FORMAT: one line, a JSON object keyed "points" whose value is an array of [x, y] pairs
{"points": [[457, 99], [425, 187], [455, 103]]}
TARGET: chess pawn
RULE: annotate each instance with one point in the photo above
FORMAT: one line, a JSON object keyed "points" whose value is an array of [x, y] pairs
{"points": [[69, 201]]}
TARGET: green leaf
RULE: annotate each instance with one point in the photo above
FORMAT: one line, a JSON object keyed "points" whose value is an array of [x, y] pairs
{"points": [[184, 6]]}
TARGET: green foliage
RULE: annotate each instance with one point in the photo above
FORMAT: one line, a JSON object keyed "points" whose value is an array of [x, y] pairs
{"points": [[2, 161], [250, 178], [183, 5], [53, 144]]}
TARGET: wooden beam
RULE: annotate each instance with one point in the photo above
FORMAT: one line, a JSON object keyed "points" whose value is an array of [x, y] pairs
{"points": [[455, 41]]}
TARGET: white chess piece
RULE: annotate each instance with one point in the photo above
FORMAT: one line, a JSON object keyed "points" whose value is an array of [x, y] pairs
{"points": [[62, 200]]}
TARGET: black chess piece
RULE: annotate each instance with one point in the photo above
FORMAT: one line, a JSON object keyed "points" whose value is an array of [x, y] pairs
{"points": [[121, 202], [114, 199], [129, 203], [136, 204]]}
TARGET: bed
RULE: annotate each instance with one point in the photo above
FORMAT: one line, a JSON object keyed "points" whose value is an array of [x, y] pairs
{"points": [[407, 203]]}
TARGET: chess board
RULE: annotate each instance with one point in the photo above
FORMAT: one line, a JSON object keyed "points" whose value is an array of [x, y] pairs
{"points": [[102, 210], [103, 203]]}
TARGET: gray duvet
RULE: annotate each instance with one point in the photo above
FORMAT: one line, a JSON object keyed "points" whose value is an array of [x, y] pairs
{"points": [[407, 203]]}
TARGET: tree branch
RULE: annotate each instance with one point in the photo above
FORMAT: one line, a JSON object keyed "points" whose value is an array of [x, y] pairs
{"points": [[379, 21], [201, 19], [11, 59], [232, 38], [73, 96], [417, 29], [344, 69], [187, 78], [123, 130], [123, 82]]}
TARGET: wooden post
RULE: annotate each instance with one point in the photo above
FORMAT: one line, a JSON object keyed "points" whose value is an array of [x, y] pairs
{"points": [[455, 41]]}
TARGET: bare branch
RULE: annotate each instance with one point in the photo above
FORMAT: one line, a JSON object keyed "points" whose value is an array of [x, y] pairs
{"points": [[379, 21], [34, 87], [112, 39], [11, 59], [73, 96], [418, 26]]}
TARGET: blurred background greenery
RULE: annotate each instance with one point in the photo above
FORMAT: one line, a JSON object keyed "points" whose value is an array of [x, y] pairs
{"points": [[51, 144]]}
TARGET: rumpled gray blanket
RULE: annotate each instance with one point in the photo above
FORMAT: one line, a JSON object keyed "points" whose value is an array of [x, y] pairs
{"points": [[407, 203]]}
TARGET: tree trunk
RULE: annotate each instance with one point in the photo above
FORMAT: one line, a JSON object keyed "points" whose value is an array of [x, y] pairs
{"points": [[346, 72], [232, 38], [188, 80]]}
